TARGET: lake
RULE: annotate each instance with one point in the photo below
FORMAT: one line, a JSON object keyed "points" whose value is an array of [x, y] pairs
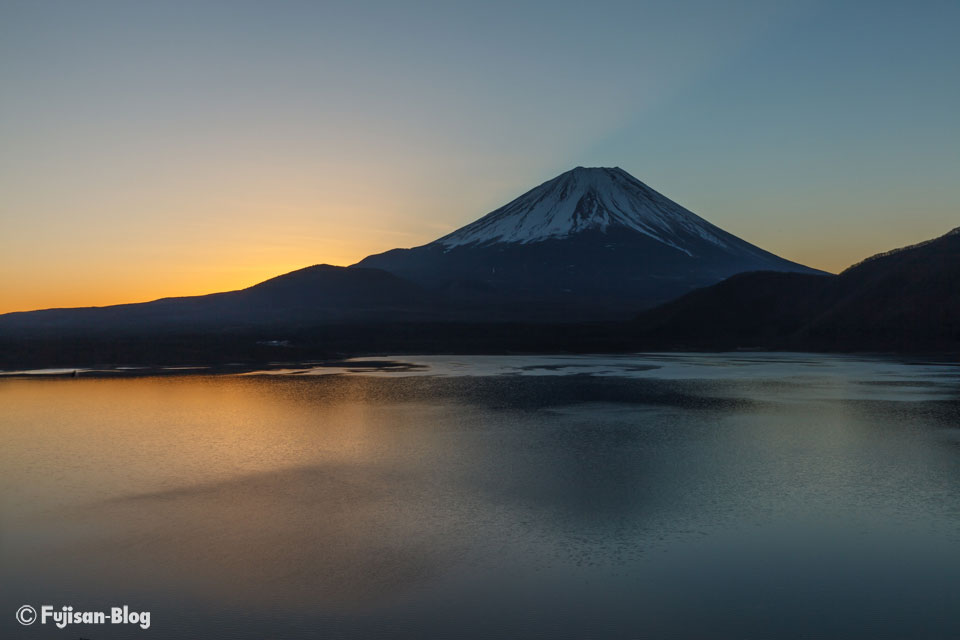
{"points": [[723, 496]]}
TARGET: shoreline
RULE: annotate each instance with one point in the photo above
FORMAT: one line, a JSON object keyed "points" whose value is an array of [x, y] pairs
{"points": [[437, 363]]}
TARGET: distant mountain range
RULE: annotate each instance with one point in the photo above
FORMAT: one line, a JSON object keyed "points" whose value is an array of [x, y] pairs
{"points": [[591, 260]]}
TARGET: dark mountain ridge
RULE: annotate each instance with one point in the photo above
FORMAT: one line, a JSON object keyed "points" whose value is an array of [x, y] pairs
{"points": [[317, 294], [553, 271], [905, 301], [901, 300]]}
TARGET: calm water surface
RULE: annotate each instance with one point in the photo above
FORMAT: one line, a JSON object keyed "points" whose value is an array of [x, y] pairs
{"points": [[774, 495]]}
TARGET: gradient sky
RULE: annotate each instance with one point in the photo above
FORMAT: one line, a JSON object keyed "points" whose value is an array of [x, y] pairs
{"points": [[167, 148]]}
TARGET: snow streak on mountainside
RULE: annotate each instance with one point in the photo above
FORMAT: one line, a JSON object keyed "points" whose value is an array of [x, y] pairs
{"points": [[585, 199]]}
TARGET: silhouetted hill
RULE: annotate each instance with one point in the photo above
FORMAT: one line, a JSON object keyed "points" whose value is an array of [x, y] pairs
{"points": [[317, 294], [906, 299]]}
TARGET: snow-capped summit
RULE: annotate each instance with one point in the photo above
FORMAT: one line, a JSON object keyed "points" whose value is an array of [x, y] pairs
{"points": [[590, 243], [583, 199]]}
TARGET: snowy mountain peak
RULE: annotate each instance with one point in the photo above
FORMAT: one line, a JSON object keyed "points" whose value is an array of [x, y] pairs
{"points": [[590, 239], [588, 198]]}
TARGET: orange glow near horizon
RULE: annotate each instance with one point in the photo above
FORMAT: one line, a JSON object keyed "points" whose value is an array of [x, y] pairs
{"points": [[111, 277], [193, 242], [103, 289], [212, 246]]}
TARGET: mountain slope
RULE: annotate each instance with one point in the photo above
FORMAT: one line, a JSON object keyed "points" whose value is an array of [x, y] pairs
{"points": [[906, 299], [592, 242], [321, 293]]}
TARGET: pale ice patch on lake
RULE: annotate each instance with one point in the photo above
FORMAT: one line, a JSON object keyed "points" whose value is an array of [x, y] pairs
{"points": [[833, 375]]}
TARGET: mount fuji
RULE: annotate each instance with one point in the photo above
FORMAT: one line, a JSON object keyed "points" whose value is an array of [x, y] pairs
{"points": [[592, 242], [589, 245], [576, 264]]}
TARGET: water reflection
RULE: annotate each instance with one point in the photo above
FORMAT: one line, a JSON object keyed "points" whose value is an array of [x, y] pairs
{"points": [[502, 504]]}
